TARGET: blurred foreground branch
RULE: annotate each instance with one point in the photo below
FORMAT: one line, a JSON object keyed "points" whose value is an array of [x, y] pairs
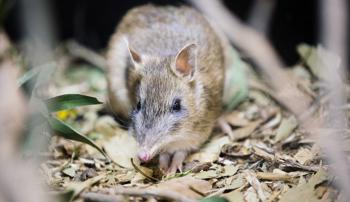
{"points": [[255, 45], [17, 179], [89, 55], [333, 36], [260, 15], [260, 50]]}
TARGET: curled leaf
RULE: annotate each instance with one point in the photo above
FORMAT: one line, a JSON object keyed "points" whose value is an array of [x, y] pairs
{"points": [[63, 130]]}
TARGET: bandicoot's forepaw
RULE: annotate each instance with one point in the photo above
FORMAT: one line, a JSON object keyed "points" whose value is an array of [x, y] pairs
{"points": [[164, 161], [176, 162]]}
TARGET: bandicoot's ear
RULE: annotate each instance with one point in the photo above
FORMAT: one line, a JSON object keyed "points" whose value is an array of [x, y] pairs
{"points": [[134, 56], [185, 62]]}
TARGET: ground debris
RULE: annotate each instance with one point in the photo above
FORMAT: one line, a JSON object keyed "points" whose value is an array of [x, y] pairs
{"points": [[258, 152]]}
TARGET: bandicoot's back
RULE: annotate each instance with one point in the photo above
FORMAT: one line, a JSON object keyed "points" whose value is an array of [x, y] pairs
{"points": [[166, 73]]}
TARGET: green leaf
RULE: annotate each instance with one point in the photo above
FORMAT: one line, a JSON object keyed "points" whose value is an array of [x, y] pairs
{"points": [[236, 82], [214, 199], [66, 196], [28, 76], [33, 73], [64, 130], [69, 101]]}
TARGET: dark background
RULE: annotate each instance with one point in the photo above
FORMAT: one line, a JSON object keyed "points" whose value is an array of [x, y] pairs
{"points": [[92, 22]]}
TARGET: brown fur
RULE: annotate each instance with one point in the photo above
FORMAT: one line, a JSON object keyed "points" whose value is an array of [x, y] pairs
{"points": [[156, 35]]}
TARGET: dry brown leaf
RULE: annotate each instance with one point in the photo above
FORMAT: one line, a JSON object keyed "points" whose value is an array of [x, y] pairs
{"points": [[236, 150], [305, 190], [234, 196], [273, 176], [260, 98], [263, 154], [255, 183], [210, 151], [273, 122], [232, 182], [250, 195], [78, 187], [70, 171], [228, 170], [304, 156], [236, 119], [286, 127], [138, 178], [185, 186], [246, 131], [122, 148], [207, 174], [252, 112]]}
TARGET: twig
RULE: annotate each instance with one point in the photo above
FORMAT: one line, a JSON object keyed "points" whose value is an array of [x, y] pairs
{"points": [[334, 35], [196, 191], [83, 52], [260, 15], [258, 48], [277, 159], [225, 127], [99, 197], [17, 178], [294, 165], [164, 194], [261, 51], [142, 173], [274, 176]]}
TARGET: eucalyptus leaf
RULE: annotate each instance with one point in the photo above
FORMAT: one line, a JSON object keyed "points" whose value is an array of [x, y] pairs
{"points": [[30, 74], [69, 101], [64, 130], [34, 72]]}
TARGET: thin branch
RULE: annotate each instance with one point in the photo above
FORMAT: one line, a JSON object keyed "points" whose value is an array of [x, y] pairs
{"points": [[333, 36], [99, 197], [164, 194], [17, 178], [260, 15], [83, 52], [142, 173], [255, 45]]}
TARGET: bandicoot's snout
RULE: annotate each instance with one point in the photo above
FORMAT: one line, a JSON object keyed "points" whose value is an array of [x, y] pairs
{"points": [[144, 156]]}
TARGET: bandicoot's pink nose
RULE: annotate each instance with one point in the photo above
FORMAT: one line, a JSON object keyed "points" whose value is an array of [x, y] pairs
{"points": [[144, 156]]}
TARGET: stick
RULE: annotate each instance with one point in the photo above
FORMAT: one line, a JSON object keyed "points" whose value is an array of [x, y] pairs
{"points": [[83, 52], [164, 194], [260, 50], [334, 35], [99, 197]]}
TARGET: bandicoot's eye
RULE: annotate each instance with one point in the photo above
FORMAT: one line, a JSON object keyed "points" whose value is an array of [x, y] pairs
{"points": [[138, 106], [176, 106]]}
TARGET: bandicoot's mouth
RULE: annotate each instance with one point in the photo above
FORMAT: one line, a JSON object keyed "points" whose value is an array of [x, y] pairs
{"points": [[145, 154]]}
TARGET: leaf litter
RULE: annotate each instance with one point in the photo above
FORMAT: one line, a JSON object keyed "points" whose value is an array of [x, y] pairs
{"points": [[257, 151]]}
